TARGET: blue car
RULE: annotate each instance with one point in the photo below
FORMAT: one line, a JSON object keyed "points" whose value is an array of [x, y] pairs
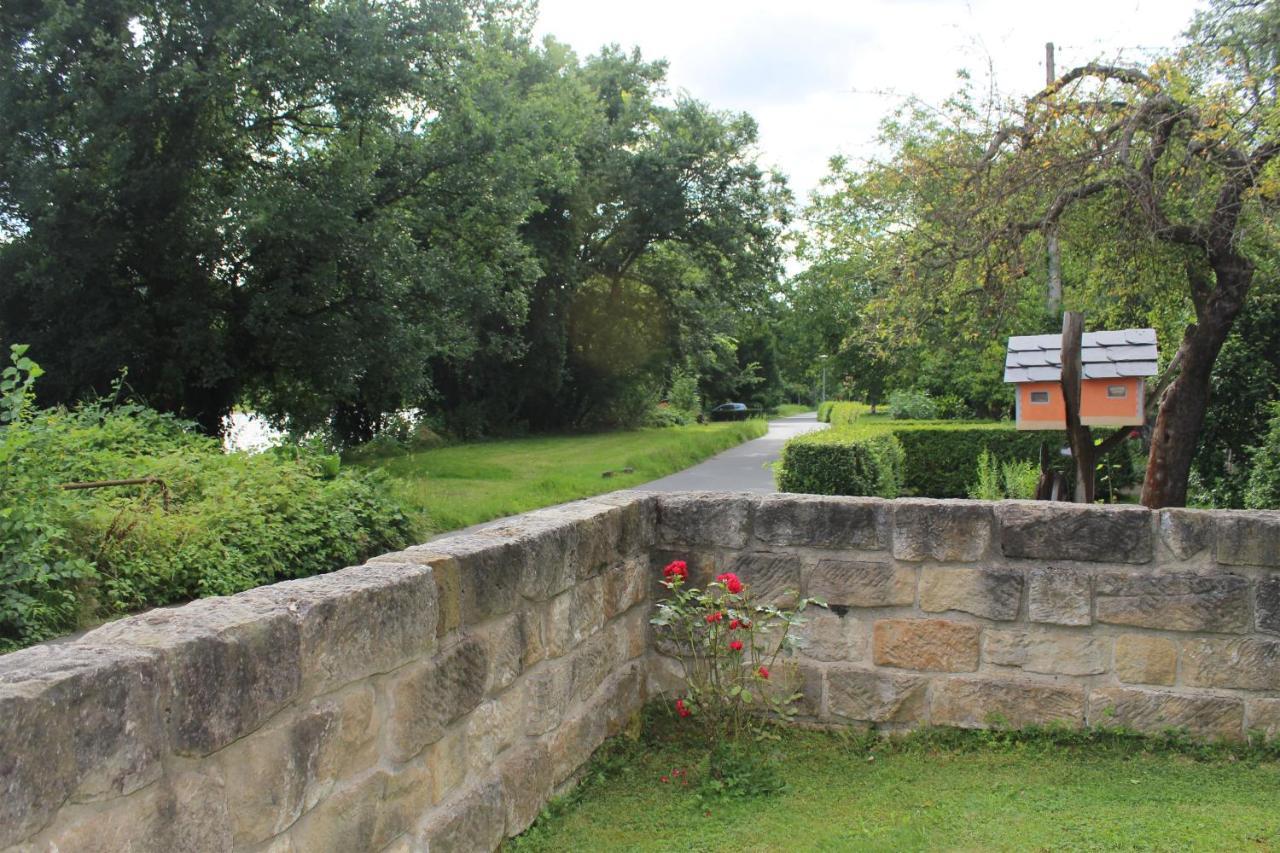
{"points": [[730, 412]]}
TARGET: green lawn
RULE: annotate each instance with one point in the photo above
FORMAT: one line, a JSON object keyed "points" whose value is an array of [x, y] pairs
{"points": [[446, 488], [786, 410], [958, 794]]}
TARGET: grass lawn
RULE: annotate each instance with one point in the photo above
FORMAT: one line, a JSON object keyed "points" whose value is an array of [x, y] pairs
{"points": [[786, 410], [447, 488], [941, 790]]}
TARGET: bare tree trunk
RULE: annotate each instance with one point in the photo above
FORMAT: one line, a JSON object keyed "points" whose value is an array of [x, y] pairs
{"points": [[1079, 437], [1182, 410]]}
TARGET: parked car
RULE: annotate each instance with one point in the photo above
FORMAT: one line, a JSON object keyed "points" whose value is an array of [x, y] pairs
{"points": [[730, 412]]}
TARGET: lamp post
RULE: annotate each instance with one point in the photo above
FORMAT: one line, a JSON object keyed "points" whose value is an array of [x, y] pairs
{"points": [[823, 360]]}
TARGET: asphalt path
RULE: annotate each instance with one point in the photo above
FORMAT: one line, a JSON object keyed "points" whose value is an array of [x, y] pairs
{"points": [[745, 468]]}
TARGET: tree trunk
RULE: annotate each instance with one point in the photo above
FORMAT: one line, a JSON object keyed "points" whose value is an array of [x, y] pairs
{"points": [[1078, 436], [1182, 411]]}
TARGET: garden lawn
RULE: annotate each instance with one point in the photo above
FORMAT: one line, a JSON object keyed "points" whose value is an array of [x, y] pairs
{"points": [[447, 488], [787, 410], [845, 794]]}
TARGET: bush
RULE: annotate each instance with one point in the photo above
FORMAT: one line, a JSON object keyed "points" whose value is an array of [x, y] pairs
{"points": [[683, 394], [999, 480], [219, 522], [835, 462], [912, 405], [824, 411], [940, 458], [1263, 491], [668, 416], [845, 414]]}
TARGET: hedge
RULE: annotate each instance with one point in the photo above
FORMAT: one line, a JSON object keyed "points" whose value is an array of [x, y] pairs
{"points": [[824, 411], [838, 463]]}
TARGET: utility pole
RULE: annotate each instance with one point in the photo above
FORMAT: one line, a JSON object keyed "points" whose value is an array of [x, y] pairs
{"points": [[1054, 296]]}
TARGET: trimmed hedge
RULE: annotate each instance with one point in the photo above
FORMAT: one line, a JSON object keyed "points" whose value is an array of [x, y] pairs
{"points": [[824, 411], [837, 463]]}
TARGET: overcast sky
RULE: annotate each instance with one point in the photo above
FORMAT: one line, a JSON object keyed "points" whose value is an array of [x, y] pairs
{"points": [[814, 74]]}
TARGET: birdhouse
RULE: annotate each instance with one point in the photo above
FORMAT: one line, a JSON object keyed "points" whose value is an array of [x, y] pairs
{"points": [[1112, 390]]}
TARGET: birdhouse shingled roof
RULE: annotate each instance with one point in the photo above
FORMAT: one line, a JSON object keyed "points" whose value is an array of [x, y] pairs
{"points": [[1103, 355]]}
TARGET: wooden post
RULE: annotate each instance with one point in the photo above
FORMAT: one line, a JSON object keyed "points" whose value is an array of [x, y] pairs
{"points": [[1079, 437], [1053, 299]]}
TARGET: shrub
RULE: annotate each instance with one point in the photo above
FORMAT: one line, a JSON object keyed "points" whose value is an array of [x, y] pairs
{"points": [[683, 394], [999, 480], [218, 524], [835, 462], [668, 416], [912, 405], [1263, 491], [824, 411], [845, 414]]}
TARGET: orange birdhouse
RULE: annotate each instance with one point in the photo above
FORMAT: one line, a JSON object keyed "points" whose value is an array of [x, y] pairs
{"points": [[1112, 390]]}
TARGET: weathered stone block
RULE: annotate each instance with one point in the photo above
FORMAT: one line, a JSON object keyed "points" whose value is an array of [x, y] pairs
{"points": [[1263, 716], [504, 648], [1186, 532], [492, 728], [639, 515], [1060, 596], [1144, 659], [831, 637], [625, 586], [978, 703], [429, 696], [369, 813], [79, 722], [926, 644], [474, 819], [546, 543], [1245, 663], [947, 531], [989, 593], [599, 528], [573, 616], [1056, 531], [232, 663], [867, 695], [704, 519], [526, 785], [590, 665], [533, 633], [142, 823], [447, 758], [1153, 711], [856, 583], [573, 741], [1174, 602], [773, 578], [1052, 653], [489, 578], [1268, 604], [547, 690], [1248, 538], [824, 522], [359, 621], [629, 634]]}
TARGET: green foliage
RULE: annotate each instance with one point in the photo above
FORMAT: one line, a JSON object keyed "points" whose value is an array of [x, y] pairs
{"points": [[1263, 491], [824, 411], [998, 480], [939, 456], [215, 524], [682, 395], [846, 414], [912, 405], [838, 462]]}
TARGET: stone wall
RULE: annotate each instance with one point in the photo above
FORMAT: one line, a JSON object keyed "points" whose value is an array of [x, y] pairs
{"points": [[435, 698], [965, 613]]}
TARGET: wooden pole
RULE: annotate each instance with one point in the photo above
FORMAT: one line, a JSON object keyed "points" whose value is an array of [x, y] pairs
{"points": [[1053, 299], [1078, 436]]}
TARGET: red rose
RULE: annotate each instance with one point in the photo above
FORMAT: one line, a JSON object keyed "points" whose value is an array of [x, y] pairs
{"points": [[731, 582], [736, 645], [714, 617], [665, 779], [734, 624], [764, 671], [676, 568], [681, 709]]}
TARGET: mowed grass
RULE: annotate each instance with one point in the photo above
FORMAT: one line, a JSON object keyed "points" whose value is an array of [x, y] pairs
{"points": [[447, 488], [787, 410], [1019, 797]]}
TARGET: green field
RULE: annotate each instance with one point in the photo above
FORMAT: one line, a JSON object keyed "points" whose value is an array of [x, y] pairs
{"points": [[447, 488], [942, 791]]}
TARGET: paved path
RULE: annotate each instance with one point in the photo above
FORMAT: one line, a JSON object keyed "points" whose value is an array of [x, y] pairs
{"points": [[745, 468]]}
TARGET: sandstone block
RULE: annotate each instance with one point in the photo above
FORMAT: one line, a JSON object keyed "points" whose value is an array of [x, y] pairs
{"points": [[1144, 659], [1263, 716], [504, 647], [1174, 602], [367, 814], [590, 665], [824, 522], [358, 621], [1060, 596], [947, 531], [1186, 532], [702, 565], [1245, 663], [533, 634], [142, 823], [1153, 711], [429, 696], [526, 785], [1248, 538], [80, 722], [573, 616], [447, 758], [573, 741], [492, 728], [232, 663], [547, 690], [489, 580], [704, 519], [857, 583], [978, 703], [545, 546], [772, 578], [867, 695], [1268, 604], [629, 634], [472, 820], [926, 644], [625, 586], [1051, 653], [989, 593], [828, 636], [1056, 531]]}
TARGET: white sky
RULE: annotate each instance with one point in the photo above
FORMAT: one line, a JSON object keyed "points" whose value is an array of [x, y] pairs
{"points": [[809, 71]]}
